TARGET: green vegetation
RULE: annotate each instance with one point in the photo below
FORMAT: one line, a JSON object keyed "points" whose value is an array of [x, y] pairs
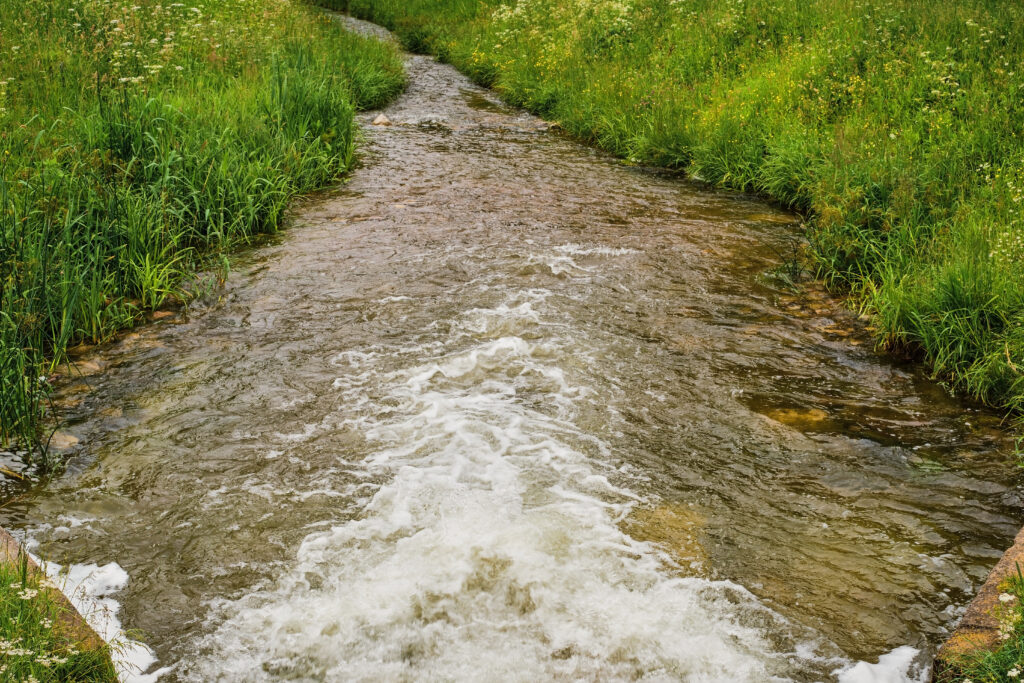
{"points": [[140, 140], [34, 642], [1006, 663], [895, 125]]}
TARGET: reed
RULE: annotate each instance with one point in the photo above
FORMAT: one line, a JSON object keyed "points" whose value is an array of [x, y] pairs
{"points": [[140, 141]]}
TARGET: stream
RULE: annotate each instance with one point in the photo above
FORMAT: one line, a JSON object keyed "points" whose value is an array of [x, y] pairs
{"points": [[501, 407]]}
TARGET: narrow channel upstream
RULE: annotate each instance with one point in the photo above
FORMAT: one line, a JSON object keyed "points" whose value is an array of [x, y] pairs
{"points": [[503, 408]]}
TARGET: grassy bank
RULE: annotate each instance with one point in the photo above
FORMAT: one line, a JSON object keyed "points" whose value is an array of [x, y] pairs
{"points": [[35, 643], [1006, 662], [141, 140], [896, 126]]}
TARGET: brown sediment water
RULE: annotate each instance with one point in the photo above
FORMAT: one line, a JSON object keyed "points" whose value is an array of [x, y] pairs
{"points": [[502, 407]]}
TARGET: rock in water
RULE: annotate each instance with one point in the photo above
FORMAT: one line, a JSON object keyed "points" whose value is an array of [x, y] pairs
{"points": [[381, 120], [62, 441], [677, 528]]}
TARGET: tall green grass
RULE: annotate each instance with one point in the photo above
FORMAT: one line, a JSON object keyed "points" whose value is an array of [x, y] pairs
{"points": [[895, 125], [139, 139]]}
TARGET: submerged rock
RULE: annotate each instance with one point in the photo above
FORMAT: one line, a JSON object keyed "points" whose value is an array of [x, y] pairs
{"points": [[676, 528], [81, 368], [799, 418], [382, 120]]}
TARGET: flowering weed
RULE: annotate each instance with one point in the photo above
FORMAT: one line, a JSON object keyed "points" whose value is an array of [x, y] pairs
{"points": [[1006, 663], [35, 643]]}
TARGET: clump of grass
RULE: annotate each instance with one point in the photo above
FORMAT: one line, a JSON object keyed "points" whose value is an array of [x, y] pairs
{"points": [[140, 139], [34, 642], [1006, 662], [894, 124]]}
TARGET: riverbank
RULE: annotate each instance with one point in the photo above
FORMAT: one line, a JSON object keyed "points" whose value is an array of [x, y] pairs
{"points": [[894, 126], [42, 636], [988, 643], [141, 143]]}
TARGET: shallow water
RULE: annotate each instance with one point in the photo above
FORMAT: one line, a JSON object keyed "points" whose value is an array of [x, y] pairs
{"points": [[503, 408]]}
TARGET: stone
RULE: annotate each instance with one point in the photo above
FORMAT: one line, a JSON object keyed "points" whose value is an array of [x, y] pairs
{"points": [[382, 120], [676, 528], [81, 368], [773, 218], [63, 441], [799, 418]]}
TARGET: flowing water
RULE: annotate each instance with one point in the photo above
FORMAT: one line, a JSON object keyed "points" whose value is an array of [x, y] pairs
{"points": [[502, 408]]}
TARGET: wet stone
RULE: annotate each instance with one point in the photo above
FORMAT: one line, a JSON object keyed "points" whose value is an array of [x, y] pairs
{"points": [[799, 418], [676, 528], [63, 441], [81, 368]]}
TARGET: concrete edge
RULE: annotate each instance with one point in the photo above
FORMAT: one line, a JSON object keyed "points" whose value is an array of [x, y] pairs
{"points": [[71, 623], [979, 628]]}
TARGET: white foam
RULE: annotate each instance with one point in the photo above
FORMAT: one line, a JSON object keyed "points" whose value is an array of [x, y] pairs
{"points": [[558, 265], [492, 550], [898, 666], [579, 250], [91, 589]]}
